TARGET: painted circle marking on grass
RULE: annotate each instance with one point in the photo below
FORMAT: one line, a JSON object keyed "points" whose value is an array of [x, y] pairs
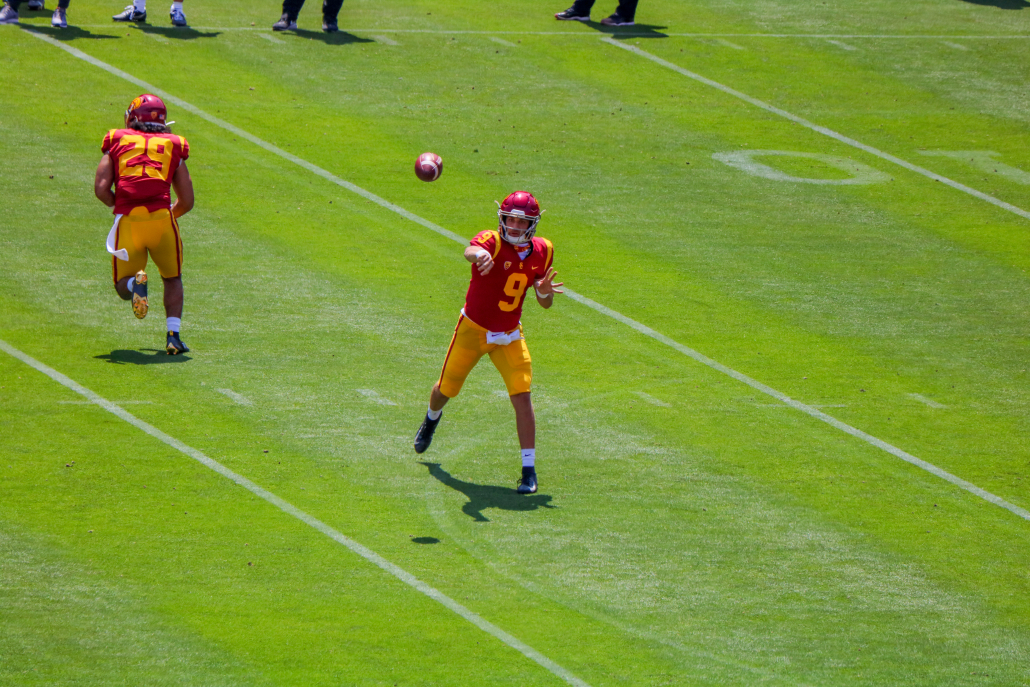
{"points": [[641, 328], [364, 552], [744, 160], [821, 129]]}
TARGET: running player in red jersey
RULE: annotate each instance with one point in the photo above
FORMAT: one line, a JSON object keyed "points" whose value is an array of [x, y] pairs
{"points": [[505, 262], [141, 162]]}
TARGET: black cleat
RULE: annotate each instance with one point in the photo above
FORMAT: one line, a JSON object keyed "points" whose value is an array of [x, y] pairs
{"points": [[424, 437], [527, 483], [617, 20], [37, 5], [285, 24], [130, 14], [572, 15], [330, 25], [174, 346]]}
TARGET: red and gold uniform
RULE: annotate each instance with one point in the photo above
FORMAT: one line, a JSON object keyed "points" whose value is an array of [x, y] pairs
{"points": [[144, 166], [493, 307]]}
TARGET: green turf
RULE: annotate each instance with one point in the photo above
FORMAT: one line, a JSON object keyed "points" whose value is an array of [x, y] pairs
{"points": [[689, 529]]}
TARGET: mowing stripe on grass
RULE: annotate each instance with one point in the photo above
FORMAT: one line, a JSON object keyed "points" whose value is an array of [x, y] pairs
{"points": [[821, 129], [366, 553], [643, 329]]}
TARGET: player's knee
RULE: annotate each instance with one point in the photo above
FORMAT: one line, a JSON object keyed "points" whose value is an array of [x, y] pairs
{"points": [[449, 388]]}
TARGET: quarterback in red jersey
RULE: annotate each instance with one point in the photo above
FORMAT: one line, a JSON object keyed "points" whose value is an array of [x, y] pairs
{"points": [[140, 164], [505, 262]]}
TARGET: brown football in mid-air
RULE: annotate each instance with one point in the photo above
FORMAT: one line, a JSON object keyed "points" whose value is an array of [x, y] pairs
{"points": [[428, 167]]}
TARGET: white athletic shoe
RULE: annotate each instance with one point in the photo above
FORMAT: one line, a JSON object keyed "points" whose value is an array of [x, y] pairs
{"points": [[8, 15]]}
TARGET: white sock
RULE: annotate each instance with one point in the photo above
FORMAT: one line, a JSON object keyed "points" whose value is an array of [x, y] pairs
{"points": [[175, 6], [434, 414], [174, 324], [139, 5], [131, 284], [528, 457]]}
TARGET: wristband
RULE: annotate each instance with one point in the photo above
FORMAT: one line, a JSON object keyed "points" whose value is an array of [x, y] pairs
{"points": [[540, 295]]}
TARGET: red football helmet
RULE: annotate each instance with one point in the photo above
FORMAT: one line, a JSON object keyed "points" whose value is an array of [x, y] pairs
{"points": [[146, 108], [522, 205]]}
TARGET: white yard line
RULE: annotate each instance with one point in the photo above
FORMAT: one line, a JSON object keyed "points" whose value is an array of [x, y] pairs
{"points": [[633, 324], [821, 129], [121, 403], [239, 398], [956, 46], [495, 39], [928, 401], [272, 39], [385, 41], [366, 553], [652, 400], [728, 44], [841, 45], [375, 397]]}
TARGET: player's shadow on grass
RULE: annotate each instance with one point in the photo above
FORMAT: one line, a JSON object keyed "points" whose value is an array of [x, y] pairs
{"points": [[483, 496], [626, 32], [144, 356], [69, 34], [337, 38], [178, 33], [1001, 4]]}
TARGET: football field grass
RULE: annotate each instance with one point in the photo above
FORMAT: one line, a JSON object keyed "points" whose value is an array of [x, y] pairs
{"points": [[783, 413]]}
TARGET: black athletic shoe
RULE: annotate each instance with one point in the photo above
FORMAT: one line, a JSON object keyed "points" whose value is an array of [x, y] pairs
{"points": [[330, 25], [285, 24], [617, 20], [37, 5], [424, 437], [130, 14], [527, 483], [572, 15], [174, 346]]}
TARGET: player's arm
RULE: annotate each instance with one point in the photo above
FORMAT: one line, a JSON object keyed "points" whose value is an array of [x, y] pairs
{"points": [[104, 180], [183, 185], [546, 287], [481, 258]]}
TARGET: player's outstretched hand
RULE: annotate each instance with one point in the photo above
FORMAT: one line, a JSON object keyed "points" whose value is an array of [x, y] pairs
{"points": [[485, 262], [545, 286]]}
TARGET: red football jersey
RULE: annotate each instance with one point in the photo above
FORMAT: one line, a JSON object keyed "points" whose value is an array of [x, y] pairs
{"points": [[495, 301], [144, 165]]}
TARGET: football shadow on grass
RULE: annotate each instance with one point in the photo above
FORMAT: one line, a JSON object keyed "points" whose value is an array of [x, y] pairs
{"points": [[483, 496], [144, 356]]}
